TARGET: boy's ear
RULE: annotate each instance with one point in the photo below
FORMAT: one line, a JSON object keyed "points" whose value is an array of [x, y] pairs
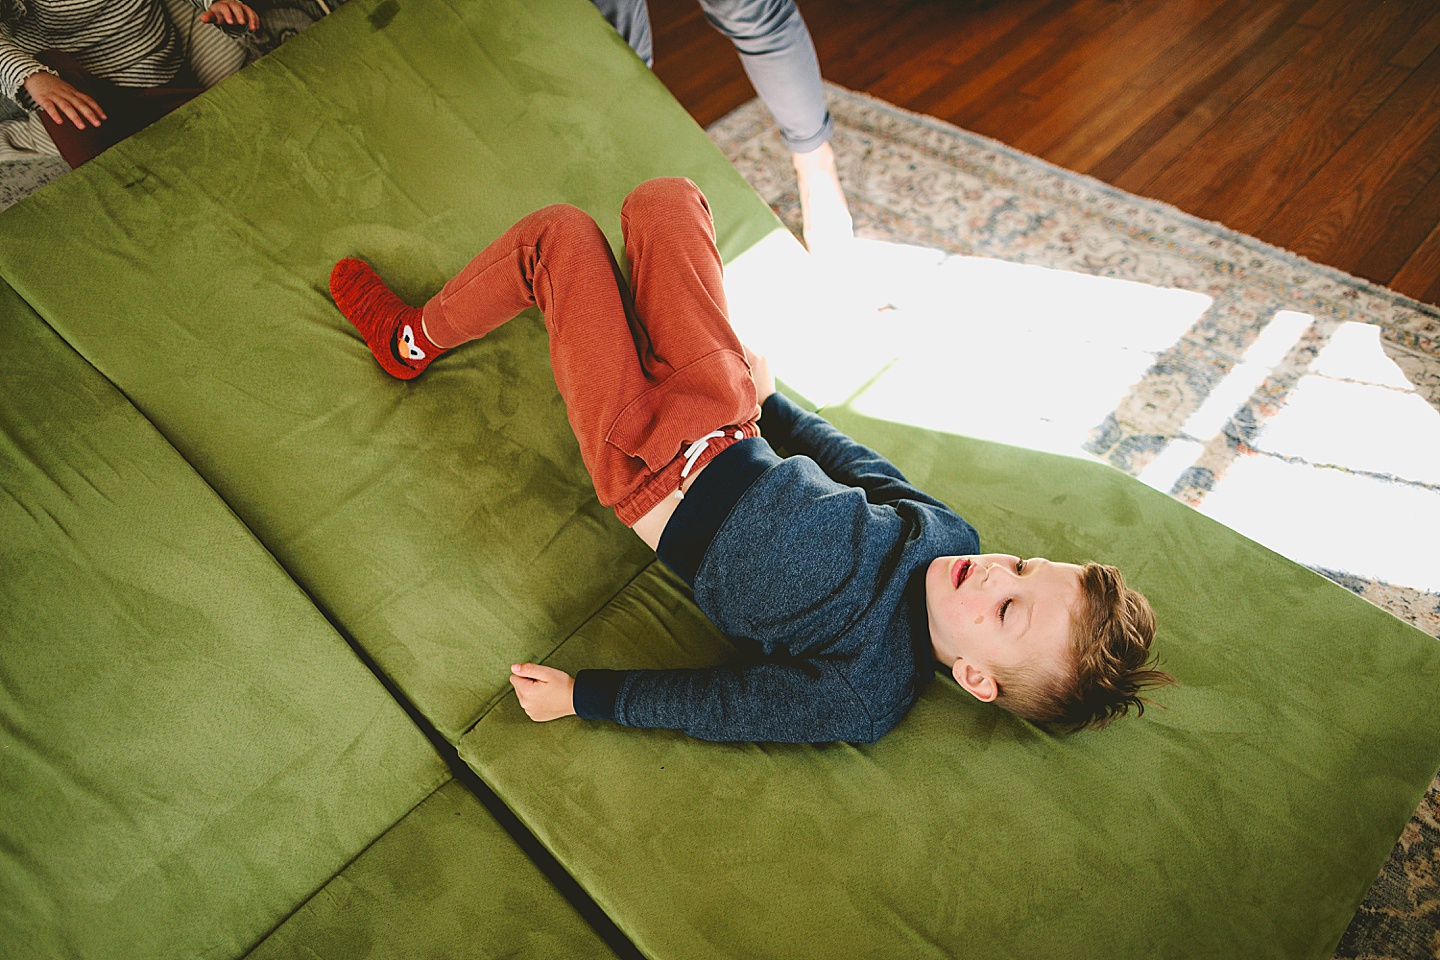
{"points": [[975, 681]]}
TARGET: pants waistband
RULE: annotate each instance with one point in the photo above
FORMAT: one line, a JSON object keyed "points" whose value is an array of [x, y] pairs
{"points": [[709, 502]]}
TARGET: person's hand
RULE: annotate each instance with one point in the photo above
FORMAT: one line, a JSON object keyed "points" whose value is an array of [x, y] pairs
{"points": [[544, 692], [232, 12], [760, 371], [62, 101]]}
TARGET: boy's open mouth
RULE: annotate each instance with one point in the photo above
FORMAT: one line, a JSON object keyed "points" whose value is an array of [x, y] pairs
{"points": [[960, 571]]}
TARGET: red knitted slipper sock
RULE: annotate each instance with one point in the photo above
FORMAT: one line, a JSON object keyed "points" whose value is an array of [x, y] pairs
{"points": [[391, 327]]}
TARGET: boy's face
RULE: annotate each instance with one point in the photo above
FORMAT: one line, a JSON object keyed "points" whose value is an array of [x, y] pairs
{"points": [[996, 610]]}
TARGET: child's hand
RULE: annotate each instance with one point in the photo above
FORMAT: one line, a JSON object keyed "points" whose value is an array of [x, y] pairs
{"points": [[232, 12], [544, 692], [760, 371], [60, 100]]}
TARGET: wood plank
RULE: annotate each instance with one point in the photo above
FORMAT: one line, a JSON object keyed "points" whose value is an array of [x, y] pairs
{"points": [[1176, 128], [1098, 63], [1420, 46], [1406, 232], [1253, 191], [1379, 171], [1249, 198], [1319, 77], [918, 47], [1420, 275], [992, 75], [1192, 60]]}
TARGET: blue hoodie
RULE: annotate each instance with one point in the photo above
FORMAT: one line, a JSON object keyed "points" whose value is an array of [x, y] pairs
{"points": [[815, 565]]}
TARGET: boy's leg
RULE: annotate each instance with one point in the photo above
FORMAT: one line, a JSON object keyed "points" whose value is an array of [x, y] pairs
{"points": [[778, 55], [677, 275], [685, 340], [508, 276], [557, 259], [631, 409], [630, 413]]}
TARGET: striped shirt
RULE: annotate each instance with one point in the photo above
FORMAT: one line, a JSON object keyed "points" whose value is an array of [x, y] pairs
{"points": [[131, 43]]}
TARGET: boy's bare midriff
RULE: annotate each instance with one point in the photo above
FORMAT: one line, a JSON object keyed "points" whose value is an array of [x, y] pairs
{"points": [[651, 527]]}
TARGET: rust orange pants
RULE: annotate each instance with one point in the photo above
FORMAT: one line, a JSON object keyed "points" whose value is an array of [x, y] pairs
{"points": [[646, 368]]}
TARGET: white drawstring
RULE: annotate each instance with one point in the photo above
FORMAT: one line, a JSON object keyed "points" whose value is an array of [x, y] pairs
{"points": [[693, 452]]}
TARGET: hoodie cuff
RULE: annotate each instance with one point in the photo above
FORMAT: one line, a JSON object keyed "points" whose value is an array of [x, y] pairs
{"points": [[595, 692]]}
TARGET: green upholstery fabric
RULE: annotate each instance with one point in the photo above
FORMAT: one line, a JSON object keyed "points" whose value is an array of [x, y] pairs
{"points": [[446, 881], [1245, 818], [447, 527], [187, 748], [448, 524]]}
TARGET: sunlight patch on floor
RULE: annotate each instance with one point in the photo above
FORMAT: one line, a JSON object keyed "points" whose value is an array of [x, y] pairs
{"points": [[1347, 465], [1020, 354], [1339, 478]]}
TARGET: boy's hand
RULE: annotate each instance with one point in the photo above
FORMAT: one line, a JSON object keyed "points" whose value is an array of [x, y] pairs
{"points": [[232, 12], [760, 372], [544, 692], [60, 100]]}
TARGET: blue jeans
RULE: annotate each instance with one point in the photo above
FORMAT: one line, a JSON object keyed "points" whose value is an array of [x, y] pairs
{"points": [[775, 49]]}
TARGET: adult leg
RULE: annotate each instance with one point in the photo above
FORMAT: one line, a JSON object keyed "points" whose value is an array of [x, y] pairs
{"points": [[631, 19], [779, 57]]}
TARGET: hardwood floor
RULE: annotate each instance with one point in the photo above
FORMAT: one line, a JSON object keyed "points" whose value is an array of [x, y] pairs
{"points": [[1311, 124]]}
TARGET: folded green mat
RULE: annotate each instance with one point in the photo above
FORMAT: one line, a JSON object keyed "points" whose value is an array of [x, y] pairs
{"points": [[450, 527], [447, 882], [446, 526], [1244, 817], [187, 748]]}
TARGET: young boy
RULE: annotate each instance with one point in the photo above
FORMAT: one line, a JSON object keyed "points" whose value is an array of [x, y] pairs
{"points": [[847, 582]]}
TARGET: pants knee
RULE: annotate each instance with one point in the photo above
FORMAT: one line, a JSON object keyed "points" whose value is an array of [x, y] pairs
{"points": [[662, 195], [566, 222]]}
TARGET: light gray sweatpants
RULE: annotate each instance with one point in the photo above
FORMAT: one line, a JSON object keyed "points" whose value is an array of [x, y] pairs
{"points": [[775, 49]]}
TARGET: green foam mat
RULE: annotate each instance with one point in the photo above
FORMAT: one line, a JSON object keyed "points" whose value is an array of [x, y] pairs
{"points": [[447, 881], [448, 523], [1246, 816], [187, 748]]}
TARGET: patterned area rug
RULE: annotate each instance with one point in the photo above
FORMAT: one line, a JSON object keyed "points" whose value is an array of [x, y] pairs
{"points": [[1294, 403]]}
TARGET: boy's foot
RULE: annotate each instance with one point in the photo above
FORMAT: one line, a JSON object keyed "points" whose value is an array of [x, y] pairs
{"points": [[824, 213], [391, 327]]}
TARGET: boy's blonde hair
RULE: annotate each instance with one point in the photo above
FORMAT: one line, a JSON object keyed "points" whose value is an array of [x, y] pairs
{"points": [[1110, 635]]}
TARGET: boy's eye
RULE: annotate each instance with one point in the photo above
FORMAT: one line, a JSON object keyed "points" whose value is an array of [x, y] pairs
{"points": [[1003, 607], [1019, 566]]}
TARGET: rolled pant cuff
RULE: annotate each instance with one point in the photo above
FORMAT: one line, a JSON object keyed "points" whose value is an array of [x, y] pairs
{"points": [[812, 143]]}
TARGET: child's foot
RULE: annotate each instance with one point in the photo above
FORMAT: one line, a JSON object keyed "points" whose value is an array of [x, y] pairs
{"points": [[391, 327]]}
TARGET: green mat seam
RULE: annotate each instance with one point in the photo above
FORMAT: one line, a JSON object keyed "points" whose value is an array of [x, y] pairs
{"points": [[345, 866], [599, 609]]}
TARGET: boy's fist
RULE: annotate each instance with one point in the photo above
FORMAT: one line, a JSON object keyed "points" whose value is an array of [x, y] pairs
{"points": [[544, 692]]}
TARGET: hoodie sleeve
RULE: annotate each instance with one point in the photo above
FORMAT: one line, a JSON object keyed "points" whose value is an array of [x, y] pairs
{"points": [[15, 66], [776, 701], [801, 432]]}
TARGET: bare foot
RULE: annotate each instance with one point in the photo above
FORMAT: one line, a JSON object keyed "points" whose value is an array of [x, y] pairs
{"points": [[824, 212]]}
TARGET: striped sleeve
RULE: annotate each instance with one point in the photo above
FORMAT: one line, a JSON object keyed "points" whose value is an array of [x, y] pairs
{"points": [[130, 43], [15, 66]]}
